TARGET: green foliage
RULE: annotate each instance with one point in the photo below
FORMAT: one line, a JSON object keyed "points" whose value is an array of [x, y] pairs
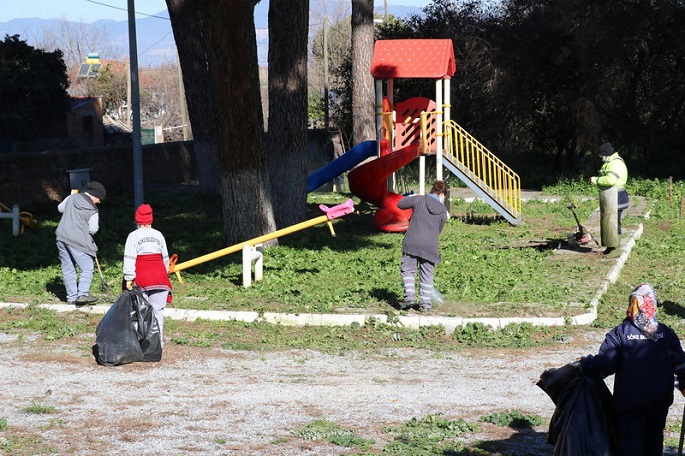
{"points": [[333, 433], [3, 424], [430, 435], [201, 338], [33, 91], [338, 56], [570, 187], [315, 111], [673, 427], [655, 259], [310, 271], [111, 86], [54, 423], [513, 335], [38, 409], [21, 444], [43, 321], [514, 419], [532, 81]]}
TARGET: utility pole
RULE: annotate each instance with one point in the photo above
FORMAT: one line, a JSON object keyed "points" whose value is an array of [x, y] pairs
{"points": [[135, 106], [128, 92], [325, 72]]}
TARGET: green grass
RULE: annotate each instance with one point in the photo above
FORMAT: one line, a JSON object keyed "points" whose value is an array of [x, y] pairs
{"points": [[333, 433], [489, 269], [38, 409], [430, 435], [514, 419], [486, 269], [672, 434], [19, 444]]}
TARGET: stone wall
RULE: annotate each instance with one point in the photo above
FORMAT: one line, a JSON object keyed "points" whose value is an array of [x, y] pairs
{"points": [[37, 180]]}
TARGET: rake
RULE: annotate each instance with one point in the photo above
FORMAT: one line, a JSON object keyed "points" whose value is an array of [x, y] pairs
{"points": [[105, 287]]}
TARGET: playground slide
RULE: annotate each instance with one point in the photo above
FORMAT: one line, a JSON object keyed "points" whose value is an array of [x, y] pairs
{"points": [[346, 161], [369, 183]]}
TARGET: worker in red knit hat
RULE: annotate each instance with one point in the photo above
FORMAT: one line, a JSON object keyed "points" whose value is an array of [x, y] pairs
{"points": [[146, 262]]}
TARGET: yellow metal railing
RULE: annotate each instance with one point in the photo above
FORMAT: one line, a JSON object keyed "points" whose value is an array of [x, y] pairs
{"points": [[480, 165]]}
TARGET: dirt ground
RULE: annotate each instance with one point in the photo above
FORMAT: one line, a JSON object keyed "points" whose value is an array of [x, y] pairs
{"points": [[222, 402]]}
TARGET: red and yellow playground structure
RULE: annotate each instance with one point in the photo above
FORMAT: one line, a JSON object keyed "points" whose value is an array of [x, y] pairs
{"points": [[405, 131], [417, 127]]}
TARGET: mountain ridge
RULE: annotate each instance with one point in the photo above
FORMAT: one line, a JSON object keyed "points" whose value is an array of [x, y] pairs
{"points": [[154, 36]]}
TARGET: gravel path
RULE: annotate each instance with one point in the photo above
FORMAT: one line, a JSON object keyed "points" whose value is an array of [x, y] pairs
{"points": [[213, 401]]}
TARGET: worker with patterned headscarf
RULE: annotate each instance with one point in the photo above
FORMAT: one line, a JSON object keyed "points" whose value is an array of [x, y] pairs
{"points": [[644, 355]]}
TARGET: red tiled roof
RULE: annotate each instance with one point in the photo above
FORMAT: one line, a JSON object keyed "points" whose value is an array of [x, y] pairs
{"points": [[428, 58]]}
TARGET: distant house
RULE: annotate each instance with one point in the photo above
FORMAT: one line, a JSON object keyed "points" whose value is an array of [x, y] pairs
{"points": [[117, 133], [84, 122]]}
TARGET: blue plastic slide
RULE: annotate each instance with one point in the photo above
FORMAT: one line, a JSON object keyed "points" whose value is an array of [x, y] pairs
{"points": [[345, 162]]}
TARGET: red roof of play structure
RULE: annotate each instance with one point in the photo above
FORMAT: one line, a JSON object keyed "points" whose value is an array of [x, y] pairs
{"points": [[432, 59]]}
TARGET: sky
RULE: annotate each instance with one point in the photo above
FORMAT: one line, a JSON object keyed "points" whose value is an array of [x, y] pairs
{"points": [[87, 11]]}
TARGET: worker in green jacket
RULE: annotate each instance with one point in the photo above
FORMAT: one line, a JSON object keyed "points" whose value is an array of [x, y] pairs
{"points": [[613, 173]]}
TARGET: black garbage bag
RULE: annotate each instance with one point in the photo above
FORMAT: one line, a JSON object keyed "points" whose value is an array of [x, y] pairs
{"points": [[146, 328], [583, 420], [128, 332]]}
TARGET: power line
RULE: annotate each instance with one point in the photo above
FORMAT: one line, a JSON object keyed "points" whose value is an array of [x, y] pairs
{"points": [[155, 43], [126, 9]]}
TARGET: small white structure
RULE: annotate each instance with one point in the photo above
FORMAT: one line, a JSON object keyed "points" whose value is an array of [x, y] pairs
{"points": [[14, 216], [253, 254]]}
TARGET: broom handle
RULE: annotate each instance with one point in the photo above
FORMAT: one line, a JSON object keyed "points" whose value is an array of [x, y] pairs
{"points": [[682, 434], [98, 263]]}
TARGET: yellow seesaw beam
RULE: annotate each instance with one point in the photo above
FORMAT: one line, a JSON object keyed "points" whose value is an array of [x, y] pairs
{"points": [[331, 213]]}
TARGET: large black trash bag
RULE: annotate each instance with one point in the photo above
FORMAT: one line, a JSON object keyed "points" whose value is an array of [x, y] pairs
{"points": [[128, 332], [583, 421], [147, 328]]}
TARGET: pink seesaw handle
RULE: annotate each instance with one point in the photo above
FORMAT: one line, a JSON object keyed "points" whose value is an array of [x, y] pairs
{"points": [[339, 210]]}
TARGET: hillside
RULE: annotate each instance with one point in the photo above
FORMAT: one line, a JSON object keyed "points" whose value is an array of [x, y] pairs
{"points": [[156, 44]]}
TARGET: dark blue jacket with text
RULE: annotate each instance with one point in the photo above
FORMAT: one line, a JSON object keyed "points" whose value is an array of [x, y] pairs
{"points": [[644, 368]]}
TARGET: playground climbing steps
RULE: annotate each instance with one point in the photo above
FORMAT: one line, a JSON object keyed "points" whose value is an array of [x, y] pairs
{"points": [[484, 173]]}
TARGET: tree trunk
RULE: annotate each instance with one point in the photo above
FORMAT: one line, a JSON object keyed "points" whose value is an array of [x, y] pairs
{"points": [[362, 82], [226, 50], [287, 138], [188, 24]]}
